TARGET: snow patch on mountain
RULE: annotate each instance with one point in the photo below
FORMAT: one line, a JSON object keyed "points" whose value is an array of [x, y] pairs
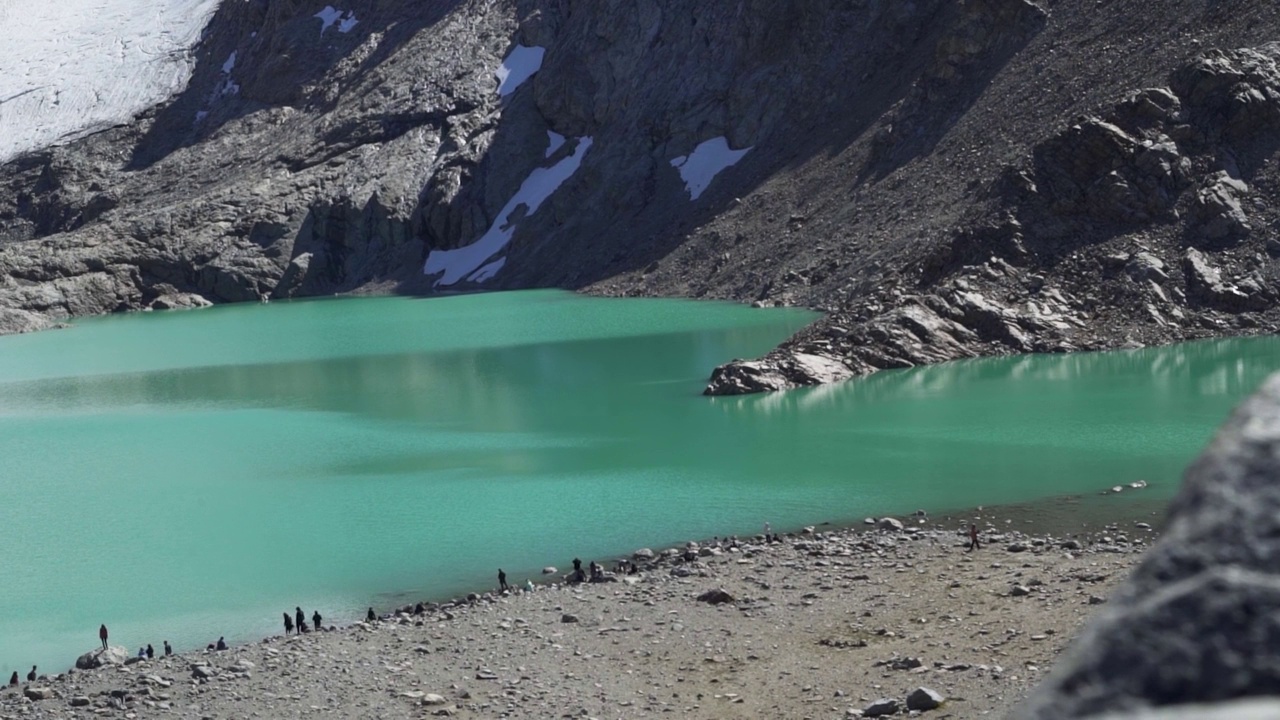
{"points": [[519, 65], [329, 15], [701, 166], [555, 141], [73, 67], [467, 262]]}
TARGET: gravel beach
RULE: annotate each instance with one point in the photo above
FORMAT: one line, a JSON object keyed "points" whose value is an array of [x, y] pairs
{"points": [[821, 624]]}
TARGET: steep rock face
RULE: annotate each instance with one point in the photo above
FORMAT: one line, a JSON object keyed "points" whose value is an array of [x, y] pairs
{"points": [[1193, 631], [945, 179], [1070, 249]]}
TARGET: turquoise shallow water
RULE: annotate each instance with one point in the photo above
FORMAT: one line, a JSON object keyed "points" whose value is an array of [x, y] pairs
{"points": [[183, 476]]}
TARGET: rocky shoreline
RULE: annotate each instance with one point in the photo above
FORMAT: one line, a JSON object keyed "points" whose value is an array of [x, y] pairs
{"points": [[840, 623]]}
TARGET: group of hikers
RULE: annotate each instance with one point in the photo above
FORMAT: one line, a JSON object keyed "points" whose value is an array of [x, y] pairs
{"points": [[13, 679], [298, 623]]}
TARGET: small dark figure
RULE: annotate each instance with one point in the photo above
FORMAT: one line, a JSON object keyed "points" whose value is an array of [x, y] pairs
{"points": [[302, 626], [299, 619], [31, 676], [371, 617], [142, 653], [418, 609], [102, 635], [151, 652], [315, 620], [167, 649], [288, 624], [13, 679], [502, 581], [577, 565], [222, 644], [973, 538], [597, 571]]}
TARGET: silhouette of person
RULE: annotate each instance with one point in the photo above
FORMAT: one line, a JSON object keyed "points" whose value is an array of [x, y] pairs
{"points": [[31, 676], [222, 644], [102, 635], [577, 565], [502, 580], [300, 619], [371, 617], [288, 624], [151, 652], [973, 538], [142, 653], [13, 679], [315, 620], [167, 649]]}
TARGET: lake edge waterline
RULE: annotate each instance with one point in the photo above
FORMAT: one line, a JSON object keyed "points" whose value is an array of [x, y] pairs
{"points": [[612, 632]]}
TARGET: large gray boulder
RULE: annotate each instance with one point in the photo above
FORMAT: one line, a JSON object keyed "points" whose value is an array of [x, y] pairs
{"points": [[1196, 622], [102, 657]]}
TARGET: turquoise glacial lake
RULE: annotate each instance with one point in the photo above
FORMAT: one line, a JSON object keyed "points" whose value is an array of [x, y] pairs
{"points": [[189, 475]]}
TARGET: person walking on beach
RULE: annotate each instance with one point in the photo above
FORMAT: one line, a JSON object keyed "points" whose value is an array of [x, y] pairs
{"points": [[300, 620], [167, 649], [502, 581], [315, 620], [102, 635], [288, 624], [973, 538], [31, 676]]}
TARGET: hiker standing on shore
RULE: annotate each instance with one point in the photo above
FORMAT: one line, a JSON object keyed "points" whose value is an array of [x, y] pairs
{"points": [[300, 620], [502, 581], [31, 676], [315, 620], [288, 624], [151, 652], [973, 538], [371, 616], [168, 650], [102, 635]]}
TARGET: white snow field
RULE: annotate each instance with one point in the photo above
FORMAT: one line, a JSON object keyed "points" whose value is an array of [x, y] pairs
{"points": [[701, 166], [72, 67], [520, 65], [469, 262]]}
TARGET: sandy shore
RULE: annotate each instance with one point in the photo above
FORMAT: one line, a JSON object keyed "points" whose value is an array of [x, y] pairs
{"points": [[821, 625]]}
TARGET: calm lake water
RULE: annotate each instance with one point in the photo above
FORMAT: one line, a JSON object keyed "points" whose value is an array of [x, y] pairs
{"points": [[187, 475]]}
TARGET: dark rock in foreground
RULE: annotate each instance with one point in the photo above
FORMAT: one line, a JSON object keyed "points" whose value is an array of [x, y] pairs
{"points": [[1196, 622]]}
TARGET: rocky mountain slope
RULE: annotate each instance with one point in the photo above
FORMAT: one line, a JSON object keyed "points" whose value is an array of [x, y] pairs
{"points": [[945, 179]]}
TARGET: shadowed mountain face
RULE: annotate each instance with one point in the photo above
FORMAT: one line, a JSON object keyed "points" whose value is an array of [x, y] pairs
{"points": [[945, 179]]}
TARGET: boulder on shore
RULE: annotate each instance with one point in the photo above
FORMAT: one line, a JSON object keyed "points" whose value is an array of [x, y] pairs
{"points": [[101, 657], [1190, 633]]}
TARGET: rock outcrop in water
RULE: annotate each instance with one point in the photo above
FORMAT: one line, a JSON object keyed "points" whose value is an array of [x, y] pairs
{"points": [[946, 180], [1193, 631]]}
